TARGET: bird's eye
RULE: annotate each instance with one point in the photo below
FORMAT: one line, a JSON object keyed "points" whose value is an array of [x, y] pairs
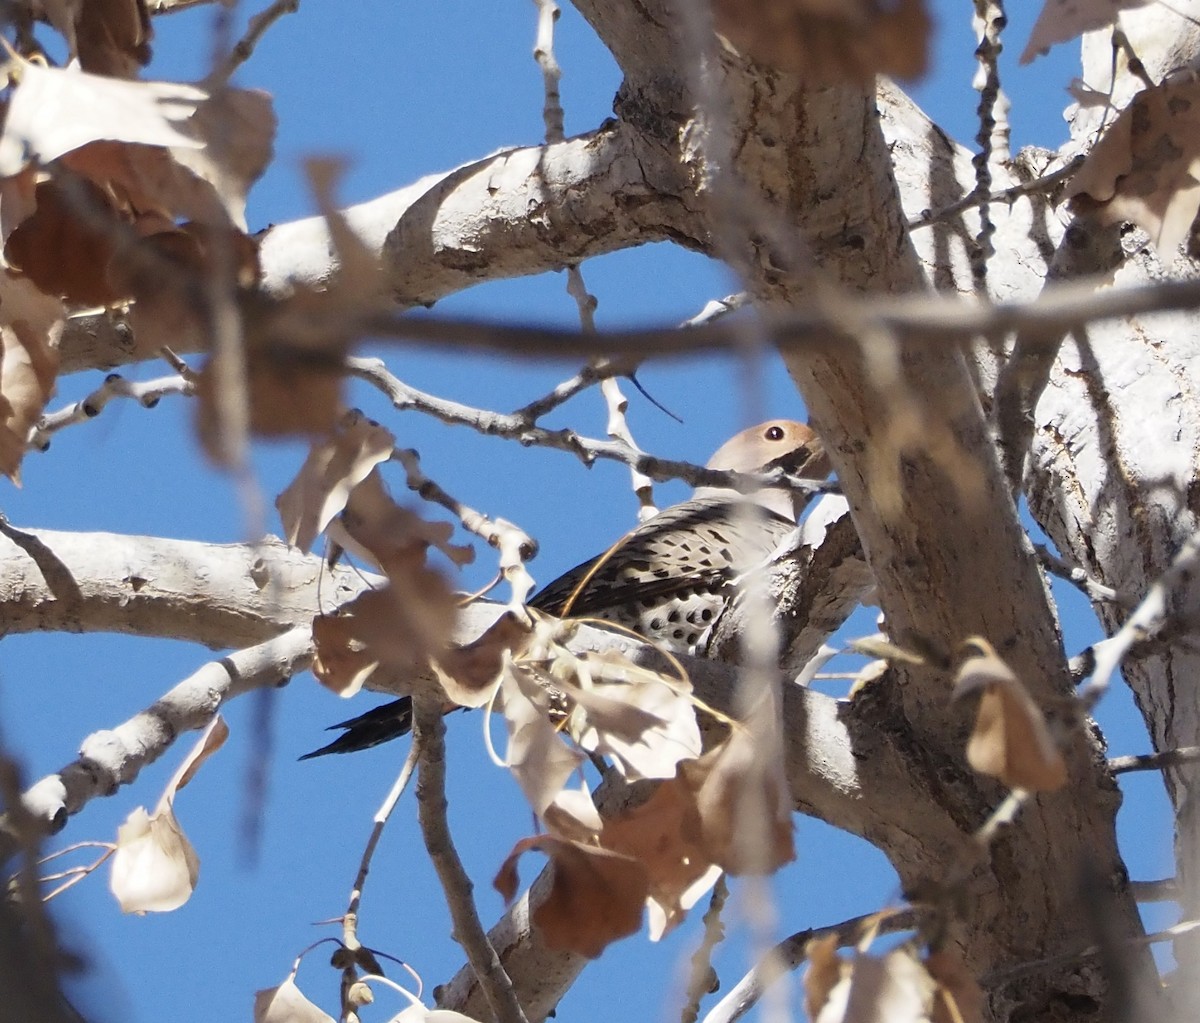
{"points": [[774, 433]]}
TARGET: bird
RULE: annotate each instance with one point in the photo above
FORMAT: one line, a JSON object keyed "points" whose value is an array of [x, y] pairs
{"points": [[669, 579]]}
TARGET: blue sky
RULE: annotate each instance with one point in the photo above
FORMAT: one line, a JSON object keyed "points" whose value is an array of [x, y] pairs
{"points": [[401, 90]]}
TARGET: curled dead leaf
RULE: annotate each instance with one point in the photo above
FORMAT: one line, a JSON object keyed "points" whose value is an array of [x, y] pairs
{"points": [[539, 759], [342, 661], [470, 673], [333, 468], [742, 807], [663, 835], [155, 868], [1010, 740], [596, 896], [159, 145], [645, 721], [286, 1004]]}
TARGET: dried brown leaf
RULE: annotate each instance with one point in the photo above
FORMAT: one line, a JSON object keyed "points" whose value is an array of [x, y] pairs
{"points": [[30, 325], [382, 533], [333, 468], [1061, 20], [596, 896], [286, 398], [342, 662], [829, 41], [179, 149], [470, 674], [743, 807], [66, 244], [664, 835], [112, 37], [401, 625], [958, 998], [1010, 740], [1146, 168]]}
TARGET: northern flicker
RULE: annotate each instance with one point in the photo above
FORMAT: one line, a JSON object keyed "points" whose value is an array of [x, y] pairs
{"points": [[670, 578]]}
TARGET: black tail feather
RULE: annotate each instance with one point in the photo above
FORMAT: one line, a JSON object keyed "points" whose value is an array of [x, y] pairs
{"points": [[380, 724]]}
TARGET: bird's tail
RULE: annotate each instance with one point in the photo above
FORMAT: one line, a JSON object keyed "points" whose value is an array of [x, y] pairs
{"points": [[378, 725]]}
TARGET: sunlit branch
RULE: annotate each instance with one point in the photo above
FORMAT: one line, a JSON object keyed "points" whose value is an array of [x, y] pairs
{"points": [[146, 393], [378, 823], [243, 49], [1093, 589]]}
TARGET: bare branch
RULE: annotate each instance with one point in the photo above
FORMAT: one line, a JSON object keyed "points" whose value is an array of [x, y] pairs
{"points": [[701, 976], [1154, 761], [429, 733], [1042, 184], [146, 393], [379, 822], [1093, 589], [112, 758], [243, 49], [515, 426]]}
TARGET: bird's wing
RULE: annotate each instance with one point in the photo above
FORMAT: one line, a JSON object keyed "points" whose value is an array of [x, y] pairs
{"points": [[697, 545]]}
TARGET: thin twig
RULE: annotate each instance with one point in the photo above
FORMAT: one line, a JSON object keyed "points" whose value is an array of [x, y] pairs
{"points": [[992, 137], [590, 375], [543, 53], [701, 976], [243, 49], [378, 822], [1006, 196], [146, 393], [1154, 761], [515, 545], [1093, 589], [586, 449], [715, 308], [1163, 890], [1022, 970], [429, 730]]}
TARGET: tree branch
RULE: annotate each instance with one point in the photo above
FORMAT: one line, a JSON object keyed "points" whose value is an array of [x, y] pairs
{"points": [[429, 734], [111, 758]]}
